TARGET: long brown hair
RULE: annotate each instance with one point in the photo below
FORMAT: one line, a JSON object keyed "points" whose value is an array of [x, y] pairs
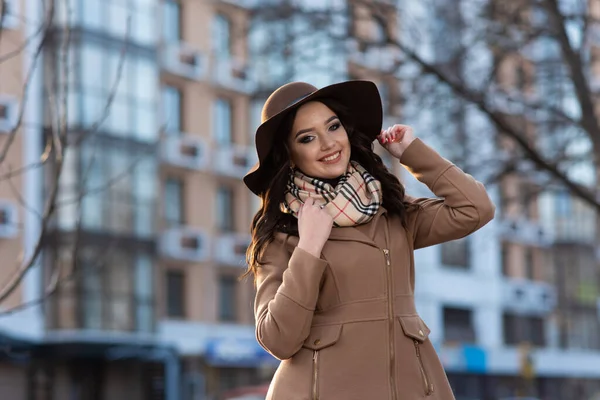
{"points": [[270, 219]]}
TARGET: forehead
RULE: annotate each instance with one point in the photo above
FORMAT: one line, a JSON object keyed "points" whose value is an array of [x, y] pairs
{"points": [[312, 112]]}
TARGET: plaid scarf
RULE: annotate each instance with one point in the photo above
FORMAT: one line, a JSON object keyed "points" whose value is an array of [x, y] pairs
{"points": [[354, 201]]}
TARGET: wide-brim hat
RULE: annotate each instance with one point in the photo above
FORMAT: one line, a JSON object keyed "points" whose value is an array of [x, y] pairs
{"points": [[360, 97]]}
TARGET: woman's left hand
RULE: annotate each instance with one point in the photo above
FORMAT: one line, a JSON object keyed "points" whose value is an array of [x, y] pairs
{"points": [[396, 139]]}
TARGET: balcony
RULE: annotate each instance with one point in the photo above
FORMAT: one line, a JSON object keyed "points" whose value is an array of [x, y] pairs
{"points": [[525, 231], [232, 74], [233, 160], [230, 249], [185, 151], [184, 244], [526, 296], [181, 59]]}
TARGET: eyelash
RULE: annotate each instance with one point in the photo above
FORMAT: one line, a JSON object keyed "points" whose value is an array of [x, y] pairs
{"points": [[305, 140]]}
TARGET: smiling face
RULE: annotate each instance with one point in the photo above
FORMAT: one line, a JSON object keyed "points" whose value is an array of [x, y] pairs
{"points": [[318, 142]]}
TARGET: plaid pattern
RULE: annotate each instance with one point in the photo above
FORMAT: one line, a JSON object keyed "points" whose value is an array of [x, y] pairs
{"points": [[354, 201]]}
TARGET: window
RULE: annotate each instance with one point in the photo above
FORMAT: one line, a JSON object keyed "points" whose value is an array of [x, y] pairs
{"points": [[171, 20], [144, 284], [225, 209], [130, 78], [110, 17], [172, 109], [505, 258], [221, 36], [175, 294], [458, 325], [456, 253], [222, 127], [520, 329], [113, 291], [227, 298], [173, 202], [117, 199], [529, 263]]}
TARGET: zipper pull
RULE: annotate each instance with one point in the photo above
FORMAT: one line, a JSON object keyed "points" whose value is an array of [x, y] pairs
{"points": [[386, 252]]}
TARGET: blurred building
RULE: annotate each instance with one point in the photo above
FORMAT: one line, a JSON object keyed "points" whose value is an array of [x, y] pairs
{"points": [[163, 100]]}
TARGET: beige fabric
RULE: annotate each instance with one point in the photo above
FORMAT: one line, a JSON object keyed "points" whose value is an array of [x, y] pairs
{"points": [[353, 201], [345, 324]]}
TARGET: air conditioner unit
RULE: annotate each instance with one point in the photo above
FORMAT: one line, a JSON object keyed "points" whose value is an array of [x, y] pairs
{"points": [[233, 160], [230, 249], [186, 151], [9, 9], [181, 59], [233, 74], [528, 296], [525, 231], [8, 113], [185, 243], [9, 215]]}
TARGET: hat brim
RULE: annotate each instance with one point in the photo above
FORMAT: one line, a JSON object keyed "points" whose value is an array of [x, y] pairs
{"points": [[360, 97]]}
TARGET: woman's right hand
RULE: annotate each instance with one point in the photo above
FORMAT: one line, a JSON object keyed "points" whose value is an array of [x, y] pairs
{"points": [[314, 227]]}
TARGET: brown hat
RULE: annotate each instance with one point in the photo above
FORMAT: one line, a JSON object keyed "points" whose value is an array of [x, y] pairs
{"points": [[360, 97]]}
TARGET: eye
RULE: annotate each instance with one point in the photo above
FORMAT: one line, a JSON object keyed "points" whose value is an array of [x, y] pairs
{"points": [[334, 127], [306, 139]]}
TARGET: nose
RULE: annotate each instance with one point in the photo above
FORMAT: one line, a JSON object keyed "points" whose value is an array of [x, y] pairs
{"points": [[327, 142]]}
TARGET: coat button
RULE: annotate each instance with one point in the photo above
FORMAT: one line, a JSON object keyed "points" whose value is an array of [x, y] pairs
{"points": [[421, 333], [316, 342]]}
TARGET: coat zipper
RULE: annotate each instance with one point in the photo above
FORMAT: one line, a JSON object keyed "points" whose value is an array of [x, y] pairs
{"points": [[428, 385], [315, 389], [390, 290]]}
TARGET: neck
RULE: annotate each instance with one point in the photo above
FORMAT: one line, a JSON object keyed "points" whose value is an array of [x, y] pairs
{"points": [[333, 182]]}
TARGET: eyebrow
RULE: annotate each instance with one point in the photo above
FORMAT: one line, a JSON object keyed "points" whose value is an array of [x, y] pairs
{"points": [[300, 132]]}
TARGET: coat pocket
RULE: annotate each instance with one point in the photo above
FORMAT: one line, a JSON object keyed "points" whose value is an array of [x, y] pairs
{"points": [[323, 336], [415, 329], [320, 338]]}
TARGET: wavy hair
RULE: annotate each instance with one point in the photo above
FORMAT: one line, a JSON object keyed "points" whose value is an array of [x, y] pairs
{"points": [[270, 219]]}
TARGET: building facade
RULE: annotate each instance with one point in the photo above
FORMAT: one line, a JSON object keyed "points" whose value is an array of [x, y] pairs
{"points": [[151, 225]]}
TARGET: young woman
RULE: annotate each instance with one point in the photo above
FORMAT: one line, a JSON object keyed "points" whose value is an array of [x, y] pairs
{"points": [[332, 246]]}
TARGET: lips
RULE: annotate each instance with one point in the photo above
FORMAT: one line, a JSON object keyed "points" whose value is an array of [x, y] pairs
{"points": [[332, 158]]}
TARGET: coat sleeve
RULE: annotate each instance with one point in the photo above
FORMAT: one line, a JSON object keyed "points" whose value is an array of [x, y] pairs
{"points": [[462, 207], [287, 288]]}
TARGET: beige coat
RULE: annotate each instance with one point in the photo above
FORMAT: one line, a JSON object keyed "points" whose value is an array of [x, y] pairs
{"points": [[345, 324]]}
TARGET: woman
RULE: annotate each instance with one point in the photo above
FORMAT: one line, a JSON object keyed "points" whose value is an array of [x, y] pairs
{"points": [[332, 246]]}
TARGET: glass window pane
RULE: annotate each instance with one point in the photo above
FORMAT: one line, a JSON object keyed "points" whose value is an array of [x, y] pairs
{"points": [[171, 21], [117, 15], [222, 122], [143, 28], [92, 110], [93, 198], [221, 36], [119, 118], [145, 124], [227, 298], [225, 209], [119, 73], [173, 202], [175, 293], [92, 13], [145, 80], [92, 67], [172, 98]]}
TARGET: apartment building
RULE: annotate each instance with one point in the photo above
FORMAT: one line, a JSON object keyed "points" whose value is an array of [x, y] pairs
{"points": [[159, 134], [156, 309]]}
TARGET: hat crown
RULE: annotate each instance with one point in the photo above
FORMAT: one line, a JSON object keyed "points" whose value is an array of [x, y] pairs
{"points": [[284, 97]]}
